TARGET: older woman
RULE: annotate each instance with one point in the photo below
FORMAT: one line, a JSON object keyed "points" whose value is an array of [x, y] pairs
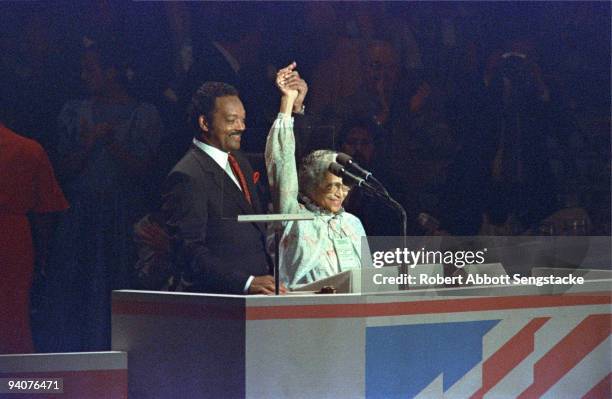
{"points": [[331, 243]]}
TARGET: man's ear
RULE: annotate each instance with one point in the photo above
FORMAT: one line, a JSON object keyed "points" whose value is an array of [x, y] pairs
{"points": [[203, 123]]}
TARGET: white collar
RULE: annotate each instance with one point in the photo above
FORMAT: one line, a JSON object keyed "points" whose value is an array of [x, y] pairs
{"points": [[219, 156]]}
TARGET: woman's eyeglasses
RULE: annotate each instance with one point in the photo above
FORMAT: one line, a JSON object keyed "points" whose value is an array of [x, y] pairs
{"points": [[333, 188]]}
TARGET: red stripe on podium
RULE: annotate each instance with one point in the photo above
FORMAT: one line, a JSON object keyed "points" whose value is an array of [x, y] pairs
{"points": [[237, 311], [564, 356], [601, 390], [422, 307], [181, 310], [512, 353]]}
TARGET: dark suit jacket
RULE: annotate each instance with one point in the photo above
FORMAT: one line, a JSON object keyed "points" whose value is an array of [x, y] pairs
{"points": [[200, 206]]}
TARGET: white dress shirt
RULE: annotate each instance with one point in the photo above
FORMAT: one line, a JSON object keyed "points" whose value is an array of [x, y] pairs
{"points": [[220, 157]]}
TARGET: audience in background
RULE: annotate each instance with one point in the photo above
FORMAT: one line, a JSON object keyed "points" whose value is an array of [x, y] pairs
{"points": [[521, 181], [358, 140], [470, 112], [105, 147]]}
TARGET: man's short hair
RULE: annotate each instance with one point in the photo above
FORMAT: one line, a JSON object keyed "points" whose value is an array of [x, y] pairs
{"points": [[112, 52], [203, 102], [366, 124]]}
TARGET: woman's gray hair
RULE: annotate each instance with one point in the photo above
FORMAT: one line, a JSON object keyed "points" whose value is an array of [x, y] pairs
{"points": [[313, 170]]}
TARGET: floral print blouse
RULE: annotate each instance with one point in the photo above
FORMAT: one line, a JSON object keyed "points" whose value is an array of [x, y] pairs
{"points": [[309, 250]]}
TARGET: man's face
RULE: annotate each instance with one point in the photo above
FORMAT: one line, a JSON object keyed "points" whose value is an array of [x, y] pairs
{"points": [[382, 68], [225, 129], [331, 193], [92, 73], [359, 145]]}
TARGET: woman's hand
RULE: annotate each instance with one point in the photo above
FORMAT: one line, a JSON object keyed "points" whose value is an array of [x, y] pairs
{"points": [[285, 79], [293, 88]]}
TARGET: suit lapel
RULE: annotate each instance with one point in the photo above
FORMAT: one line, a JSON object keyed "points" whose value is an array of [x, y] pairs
{"points": [[226, 184], [209, 166]]}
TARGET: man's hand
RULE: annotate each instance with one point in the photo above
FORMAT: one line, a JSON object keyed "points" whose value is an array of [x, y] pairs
{"points": [[152, 235], [300, 84], [292, 87], [265, 285]]}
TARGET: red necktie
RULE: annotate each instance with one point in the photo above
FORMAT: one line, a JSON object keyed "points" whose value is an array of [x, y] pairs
{"points": [[241, 179]]}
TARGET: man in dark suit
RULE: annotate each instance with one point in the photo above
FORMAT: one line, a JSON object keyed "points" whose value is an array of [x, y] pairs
{"points": [[205, 192]]}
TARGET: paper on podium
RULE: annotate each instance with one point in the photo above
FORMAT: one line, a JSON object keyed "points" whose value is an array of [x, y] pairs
{"points": [[343, 282], [357, 281]]}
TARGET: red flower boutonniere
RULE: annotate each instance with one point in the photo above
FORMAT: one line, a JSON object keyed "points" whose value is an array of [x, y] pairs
{"points": [[256, 176]]}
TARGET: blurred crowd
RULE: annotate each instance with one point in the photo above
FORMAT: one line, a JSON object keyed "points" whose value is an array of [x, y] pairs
{"points": [[489, 118]]}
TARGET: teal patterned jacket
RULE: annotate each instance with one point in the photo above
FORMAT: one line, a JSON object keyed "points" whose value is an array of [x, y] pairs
{"points": [[307, 252]]}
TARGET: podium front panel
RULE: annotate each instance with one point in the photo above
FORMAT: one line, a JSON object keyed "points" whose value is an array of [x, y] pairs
{"points": [[448, 343]]}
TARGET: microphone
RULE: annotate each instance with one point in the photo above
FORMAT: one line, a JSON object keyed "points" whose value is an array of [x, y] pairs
{"points": [[338, 170], [347, 160]]}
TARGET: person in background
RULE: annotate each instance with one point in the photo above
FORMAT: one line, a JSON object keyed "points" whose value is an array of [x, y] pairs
{"points": [[331, 243], [106, 146], [358, 141], [521, 183], [378, 96], [27, 188]]}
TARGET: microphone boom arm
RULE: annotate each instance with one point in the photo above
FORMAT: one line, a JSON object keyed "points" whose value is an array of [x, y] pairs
{"points": [[378, 190]]}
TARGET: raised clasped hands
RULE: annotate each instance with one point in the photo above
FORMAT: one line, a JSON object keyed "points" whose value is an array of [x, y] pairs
{"points": [[292, 86]]}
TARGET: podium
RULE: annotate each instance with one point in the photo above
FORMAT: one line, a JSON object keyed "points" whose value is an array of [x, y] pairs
{"points": [[424, 343]]}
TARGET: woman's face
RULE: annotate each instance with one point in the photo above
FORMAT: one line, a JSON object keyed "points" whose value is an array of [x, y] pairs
{"points": [[92, 73], [331, 193]]}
